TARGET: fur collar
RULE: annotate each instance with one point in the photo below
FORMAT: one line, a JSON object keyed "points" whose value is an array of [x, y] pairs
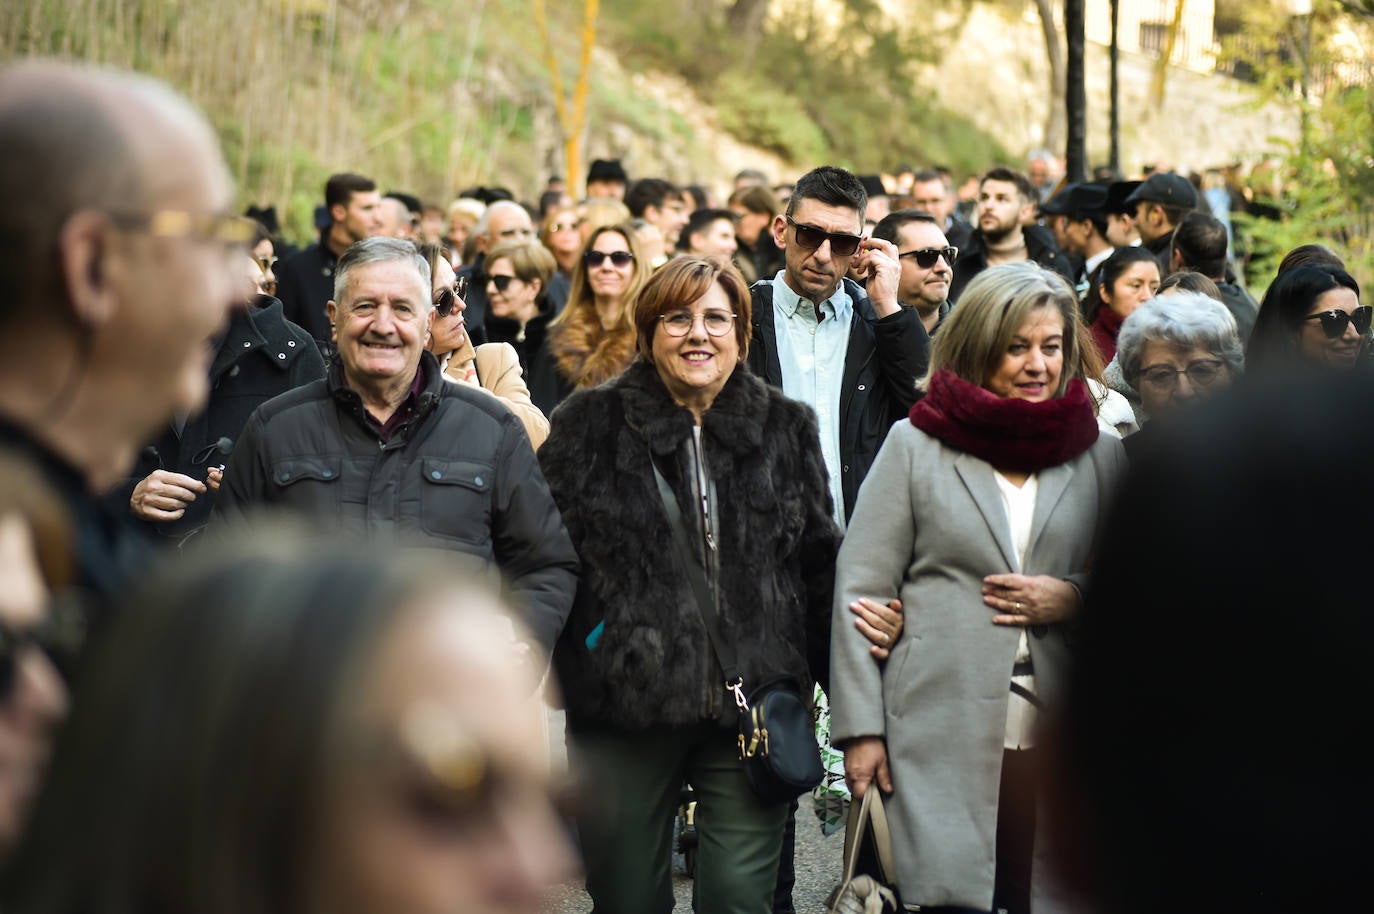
{"points": [[734, 422], [586, 355]]}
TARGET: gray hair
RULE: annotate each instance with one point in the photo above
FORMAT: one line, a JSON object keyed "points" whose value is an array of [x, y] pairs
{"points": [[495, 206], [379, 249], [1190, 320]]}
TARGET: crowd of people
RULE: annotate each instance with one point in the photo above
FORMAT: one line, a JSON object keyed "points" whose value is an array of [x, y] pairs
{"points": [[296, 545]]}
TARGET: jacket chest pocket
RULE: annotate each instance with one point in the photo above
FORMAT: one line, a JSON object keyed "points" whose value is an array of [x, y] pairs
{"points": [[310, 483], [455, 499]]}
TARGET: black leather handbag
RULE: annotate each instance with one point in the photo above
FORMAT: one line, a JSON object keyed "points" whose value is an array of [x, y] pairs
{"points": [[777, 737]]}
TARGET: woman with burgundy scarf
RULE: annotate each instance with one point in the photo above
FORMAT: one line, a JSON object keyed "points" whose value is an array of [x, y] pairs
{"points": [[979, 515]]}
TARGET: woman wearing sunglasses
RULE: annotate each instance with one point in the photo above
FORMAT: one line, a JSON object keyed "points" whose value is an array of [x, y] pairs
{"points": [[1310, 315], [593, 338], [294, 725], [493, 367], [646, 699]]}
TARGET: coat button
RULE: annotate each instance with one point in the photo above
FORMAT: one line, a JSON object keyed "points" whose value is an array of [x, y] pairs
{"points": [[234, 372], [845, 468], [282, 356], [291, 344], [477, 480], [325, 474], [247, 344], [283, 476], [862, 387], [435, 474]]}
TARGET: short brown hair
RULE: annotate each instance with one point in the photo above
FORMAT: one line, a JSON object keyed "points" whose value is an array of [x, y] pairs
{"points": [[529, 259], [682, 281]]}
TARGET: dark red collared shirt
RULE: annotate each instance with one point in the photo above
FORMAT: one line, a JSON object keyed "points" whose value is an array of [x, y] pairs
{"points": [[403, 412]]}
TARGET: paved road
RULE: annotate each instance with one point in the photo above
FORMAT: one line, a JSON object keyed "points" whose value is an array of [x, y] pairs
{"points": [[818, 862]]}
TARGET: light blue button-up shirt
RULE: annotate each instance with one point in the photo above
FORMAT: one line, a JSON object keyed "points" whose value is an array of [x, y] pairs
{"points": [[811, 355]]}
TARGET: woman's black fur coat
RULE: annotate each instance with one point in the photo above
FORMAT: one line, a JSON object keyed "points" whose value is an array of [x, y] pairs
{"points": [[652, 664]]}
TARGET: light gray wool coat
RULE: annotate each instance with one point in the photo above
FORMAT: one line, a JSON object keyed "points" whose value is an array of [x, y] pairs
{"points": [[929, 525]]}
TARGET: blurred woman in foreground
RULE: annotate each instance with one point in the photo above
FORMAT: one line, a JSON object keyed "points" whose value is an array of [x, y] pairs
{"points": [[296, 727]]}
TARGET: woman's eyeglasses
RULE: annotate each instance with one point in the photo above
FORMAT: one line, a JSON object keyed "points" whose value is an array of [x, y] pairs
{"points": [[60, 636], [926, 258], [811, 237], [1335, 321], [502, 283], [1202, 373], [680, 323], [265, 263], [445, 300], [597, 258]]}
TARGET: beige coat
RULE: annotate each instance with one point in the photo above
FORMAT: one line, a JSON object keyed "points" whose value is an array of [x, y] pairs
{"points": [[499, 374]]}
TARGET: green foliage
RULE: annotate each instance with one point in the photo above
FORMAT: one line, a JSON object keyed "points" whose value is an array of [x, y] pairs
{"points": [[1324, 189], [764, 115]]}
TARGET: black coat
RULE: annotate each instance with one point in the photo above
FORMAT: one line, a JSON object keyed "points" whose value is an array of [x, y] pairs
{"points": [[650, 663], [1040, 247], [305, 285], [458, 475], [884, 359], [262, 355], [546, 383]]}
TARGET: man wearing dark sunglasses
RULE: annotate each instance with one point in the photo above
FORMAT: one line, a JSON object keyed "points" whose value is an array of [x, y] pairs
{"points": [[851, 352], [927, 260]]}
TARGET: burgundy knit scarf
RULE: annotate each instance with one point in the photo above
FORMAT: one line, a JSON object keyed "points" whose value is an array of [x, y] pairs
{"points": [[1009, 433]]}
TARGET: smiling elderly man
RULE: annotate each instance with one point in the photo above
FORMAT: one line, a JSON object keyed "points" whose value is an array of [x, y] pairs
{"points": [[385, 447]]}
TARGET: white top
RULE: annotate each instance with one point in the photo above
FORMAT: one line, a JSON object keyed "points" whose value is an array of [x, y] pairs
{"points": [[1020, 507]]}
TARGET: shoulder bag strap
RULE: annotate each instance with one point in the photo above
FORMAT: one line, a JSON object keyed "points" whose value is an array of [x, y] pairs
{"points": [[696, 576]]}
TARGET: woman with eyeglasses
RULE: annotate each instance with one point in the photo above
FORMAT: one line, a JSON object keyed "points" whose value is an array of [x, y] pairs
{"points": [[1172, 351], [980, 515], [291, 724], [493, 367], [593, 338], [647, 706], [1310, 316]]}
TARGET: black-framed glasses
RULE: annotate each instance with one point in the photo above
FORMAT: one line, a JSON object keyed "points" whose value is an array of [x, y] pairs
{"points": [[680, 323], [445, 300], [926, 258], [60, 635], [619, 258], [502, 283], [1201, 373], [842, 244], [1335, 321]]}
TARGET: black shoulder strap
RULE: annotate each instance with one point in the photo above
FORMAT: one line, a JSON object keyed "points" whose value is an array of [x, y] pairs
{"points": [[697, 577]]}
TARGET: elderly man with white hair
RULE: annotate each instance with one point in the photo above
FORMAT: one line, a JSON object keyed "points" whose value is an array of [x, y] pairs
{"points": [[384, 448], [502, 220]]}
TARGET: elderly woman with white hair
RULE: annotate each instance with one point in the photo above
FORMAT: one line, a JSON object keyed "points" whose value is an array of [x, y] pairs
{"points": [[1172, 350]]}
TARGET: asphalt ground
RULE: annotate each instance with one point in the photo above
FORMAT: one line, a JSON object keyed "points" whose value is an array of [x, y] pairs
{"points": [[817, 859]]}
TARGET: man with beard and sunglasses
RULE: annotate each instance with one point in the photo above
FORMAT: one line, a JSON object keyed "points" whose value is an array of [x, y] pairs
{"points": [[850, 352], [927, 260], [386, 448], [1007, 232]]}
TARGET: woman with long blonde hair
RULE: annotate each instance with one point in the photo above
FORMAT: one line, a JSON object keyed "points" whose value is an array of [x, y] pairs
{"points": [[593, 338]]}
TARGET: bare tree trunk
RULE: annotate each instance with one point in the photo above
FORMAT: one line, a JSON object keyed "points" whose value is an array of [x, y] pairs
{"points": [[1162, 62], [745, 21], [572, 114], [1076, 95], [1114, 157], [1056, 126]]}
